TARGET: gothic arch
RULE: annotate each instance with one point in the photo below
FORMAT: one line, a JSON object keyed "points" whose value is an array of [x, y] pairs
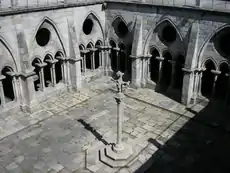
{"points": [[204, 45], [210, 59], [153, 28], [52, 23], [97, 18], [8, 48], [154, 47], [119, 17]]}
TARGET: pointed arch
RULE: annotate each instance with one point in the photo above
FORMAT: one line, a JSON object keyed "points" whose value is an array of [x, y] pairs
{"points": [[119, 17], [210, 36], [8, 48], [97, 18], [153, 28], [209, 60], [90, 45], [53, 24]]}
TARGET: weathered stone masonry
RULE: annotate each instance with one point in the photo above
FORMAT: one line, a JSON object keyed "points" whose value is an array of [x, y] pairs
{"points": [[180, 52]]}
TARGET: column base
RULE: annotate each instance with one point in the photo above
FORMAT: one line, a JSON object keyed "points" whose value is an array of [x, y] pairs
{"points": [[115, 159]]}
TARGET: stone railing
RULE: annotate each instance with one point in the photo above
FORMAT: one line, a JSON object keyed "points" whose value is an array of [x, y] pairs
{"points": [[15, 5]]}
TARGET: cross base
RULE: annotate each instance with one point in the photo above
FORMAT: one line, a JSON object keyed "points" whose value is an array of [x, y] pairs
{"points": [[114, 159]]}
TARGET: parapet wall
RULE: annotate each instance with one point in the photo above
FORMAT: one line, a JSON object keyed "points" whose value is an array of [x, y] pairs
{"points": [[14, 5]]}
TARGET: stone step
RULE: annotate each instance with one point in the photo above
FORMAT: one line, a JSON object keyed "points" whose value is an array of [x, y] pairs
{"points": [[115, 163]]}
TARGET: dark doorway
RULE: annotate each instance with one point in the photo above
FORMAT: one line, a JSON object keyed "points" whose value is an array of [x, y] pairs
{"points": [[47, 72], [58, 68], [167, 70], [7, 85], [37, 84], [97, 54], [122, 57], [207, 79], [222, 82], [154, 65], [88, 57], [113, 55], [179, 73]]}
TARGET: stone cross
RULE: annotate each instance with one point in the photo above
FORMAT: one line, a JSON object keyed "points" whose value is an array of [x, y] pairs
{"points": [[118, 148]]}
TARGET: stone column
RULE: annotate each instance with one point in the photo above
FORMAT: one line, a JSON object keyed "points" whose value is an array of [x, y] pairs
{"points": [[107, 60], [92, 51], [62, 59], [145, 69], [84, 59], [2, 96], [101, 52], [187, 91], [136, 71], [75, 73], [160, 59], [173, 76], [41, 75], [117, 56], [196, 84], [29, 100], [216, 73], [52, 70]]}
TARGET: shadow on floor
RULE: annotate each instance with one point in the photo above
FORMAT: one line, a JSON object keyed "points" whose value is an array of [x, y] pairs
{"points": [[94, 132], [202, 145]]}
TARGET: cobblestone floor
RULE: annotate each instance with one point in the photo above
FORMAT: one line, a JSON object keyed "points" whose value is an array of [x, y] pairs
{"points": [[57, 138]]}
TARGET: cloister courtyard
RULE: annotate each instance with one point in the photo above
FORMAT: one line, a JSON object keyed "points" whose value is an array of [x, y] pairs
{"points": [[65, 133]]}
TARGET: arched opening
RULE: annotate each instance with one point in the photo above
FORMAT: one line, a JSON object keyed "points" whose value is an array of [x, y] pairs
{"points": [[113, 55], [43, 36], [179, 73], [97, 54], [207, 79], [58, 68], [222, 82], [81, 48], [47, 72], [167, 70], [88, 57], [8, 85], [120, 28], [154, 65], [169, 33], [87, 26], [37, 84], [221, 42], [122, 57]]}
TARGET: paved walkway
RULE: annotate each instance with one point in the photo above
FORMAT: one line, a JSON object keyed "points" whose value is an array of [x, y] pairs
{"points": [[58, 138]]}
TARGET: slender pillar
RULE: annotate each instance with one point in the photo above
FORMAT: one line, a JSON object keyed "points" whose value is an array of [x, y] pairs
{"points": [[52, 70], [41, 75], [101, 52], [2, 96], [173, 76], [62, 60], [92, 51], [200, 81], [160, 59], [118, 148], [84, 59], [117, 56], [14, 84], [216, 73]]}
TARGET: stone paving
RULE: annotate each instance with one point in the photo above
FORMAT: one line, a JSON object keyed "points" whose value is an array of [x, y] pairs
{"points": [[65, 135]]}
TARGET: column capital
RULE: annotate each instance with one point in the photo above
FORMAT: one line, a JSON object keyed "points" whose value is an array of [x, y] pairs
{"points": [[160, 58], [26, 75], [52, 61], [172, 62], [186, 70], [93, 49], [136, 56], [216, 72], [2, 77], [60, 58], [116, 49], [41, 65], [84, 51]]}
